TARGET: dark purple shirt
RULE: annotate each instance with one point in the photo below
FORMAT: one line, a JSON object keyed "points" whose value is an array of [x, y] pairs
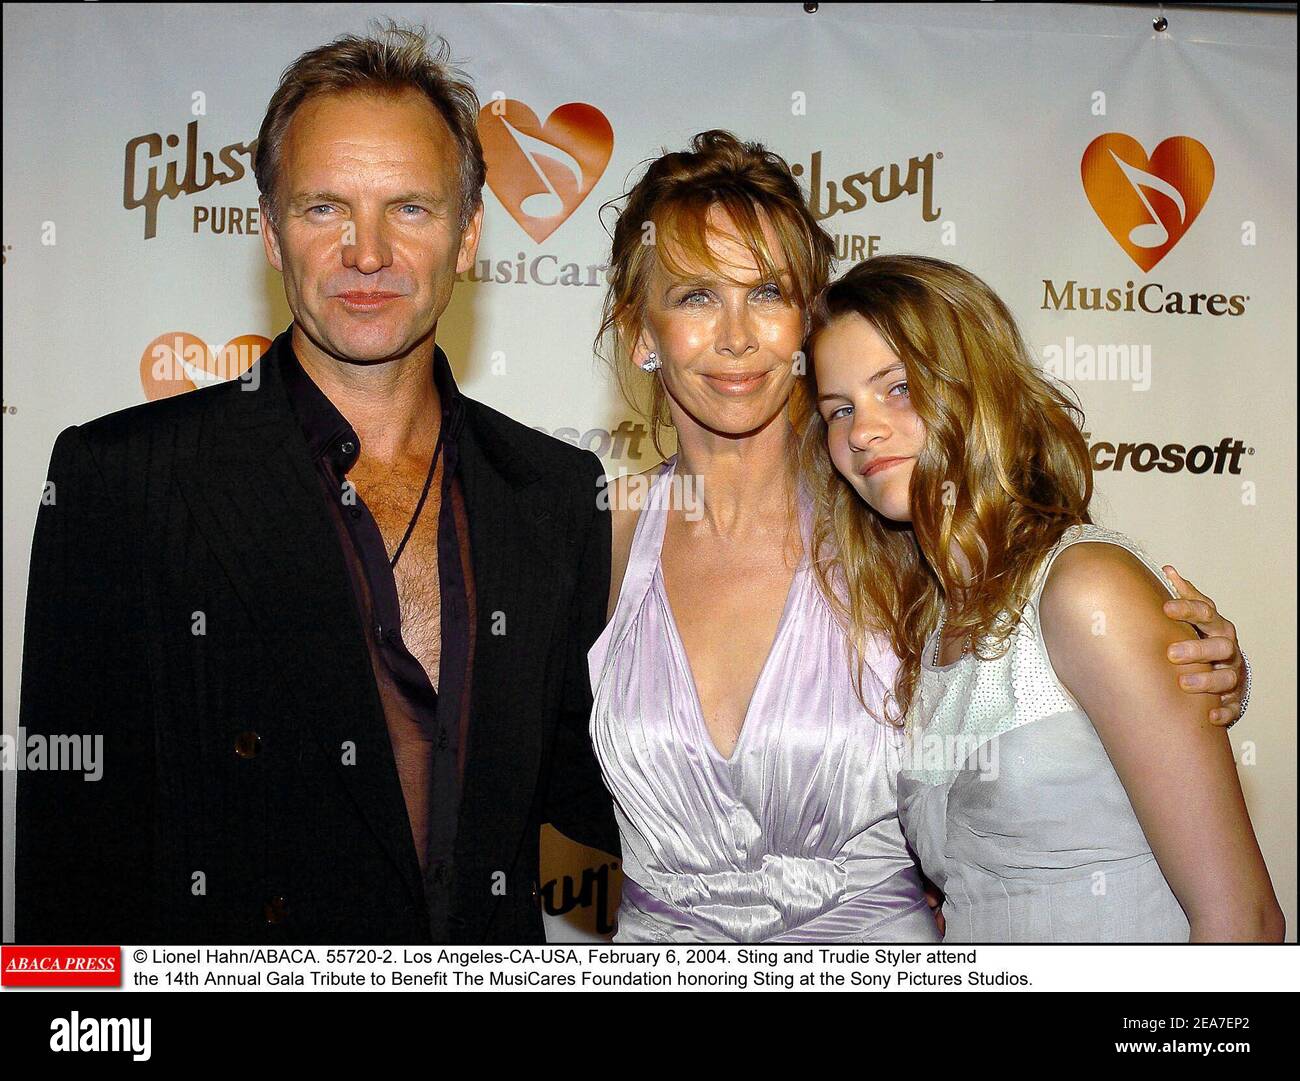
{"points": [[428, 729]]}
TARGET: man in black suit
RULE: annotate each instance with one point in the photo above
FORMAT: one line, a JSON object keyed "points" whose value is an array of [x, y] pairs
{"points": [[331, 618]]}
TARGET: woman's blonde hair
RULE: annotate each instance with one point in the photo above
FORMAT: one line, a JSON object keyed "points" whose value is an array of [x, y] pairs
{"points": [[671, 202], [1003, 472]]}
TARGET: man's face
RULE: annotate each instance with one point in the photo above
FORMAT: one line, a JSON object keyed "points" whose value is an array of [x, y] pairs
{"points": [[368, 239]]}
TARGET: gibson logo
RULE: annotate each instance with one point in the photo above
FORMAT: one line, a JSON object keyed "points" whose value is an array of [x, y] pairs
{"points": [[858, 186], [593, 892], [144, 154]]}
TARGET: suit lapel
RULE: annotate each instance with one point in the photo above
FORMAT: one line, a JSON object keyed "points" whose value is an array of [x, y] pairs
{"points": [[514, 539], [254, 491]]}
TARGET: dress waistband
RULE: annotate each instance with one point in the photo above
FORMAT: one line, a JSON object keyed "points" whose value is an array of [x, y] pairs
{"points": [[893, 910]]}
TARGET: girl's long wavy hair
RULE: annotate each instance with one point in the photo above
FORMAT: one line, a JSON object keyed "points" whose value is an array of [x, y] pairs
{"points": [[1003, 472]]}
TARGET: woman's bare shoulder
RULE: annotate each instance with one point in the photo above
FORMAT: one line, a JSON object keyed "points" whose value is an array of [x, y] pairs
{"points": [[1102, 610], [626, 498]]}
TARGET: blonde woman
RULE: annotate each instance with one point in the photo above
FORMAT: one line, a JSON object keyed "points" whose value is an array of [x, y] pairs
{"points": [[1057, 785], [754, 790]]}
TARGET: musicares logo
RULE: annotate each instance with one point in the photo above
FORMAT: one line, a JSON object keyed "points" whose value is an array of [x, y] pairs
{"points": [[543, 172], [178, 361], [1147, 204]]}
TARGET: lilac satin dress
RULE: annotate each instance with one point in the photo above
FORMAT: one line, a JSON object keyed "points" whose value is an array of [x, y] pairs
{"points": [[793, 838]]}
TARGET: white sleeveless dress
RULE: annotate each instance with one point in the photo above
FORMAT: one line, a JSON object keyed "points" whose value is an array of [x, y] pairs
{"points": [[1012, 805]]}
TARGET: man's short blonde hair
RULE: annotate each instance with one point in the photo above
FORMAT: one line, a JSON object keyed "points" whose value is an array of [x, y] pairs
{"points": [[394, 60]]}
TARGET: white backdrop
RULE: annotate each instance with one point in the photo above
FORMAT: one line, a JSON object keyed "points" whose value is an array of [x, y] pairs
{"points": [[999, 132]]}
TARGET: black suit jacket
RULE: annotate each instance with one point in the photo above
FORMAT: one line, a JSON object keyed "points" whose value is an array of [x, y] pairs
{"points": [[189, 602]]}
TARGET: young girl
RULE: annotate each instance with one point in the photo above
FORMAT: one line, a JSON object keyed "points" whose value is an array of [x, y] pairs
{"points": [[1057, 784]]}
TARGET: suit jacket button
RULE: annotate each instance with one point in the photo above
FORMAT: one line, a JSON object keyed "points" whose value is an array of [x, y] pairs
{"points": [[276, 910], [248, 744], [533, 892]]}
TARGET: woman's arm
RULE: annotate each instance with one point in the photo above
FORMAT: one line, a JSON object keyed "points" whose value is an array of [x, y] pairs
{"points": [[1107, 635]]}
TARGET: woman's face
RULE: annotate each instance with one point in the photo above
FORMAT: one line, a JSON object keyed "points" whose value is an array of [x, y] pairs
{"points": [[873, 432], [727, 350]]}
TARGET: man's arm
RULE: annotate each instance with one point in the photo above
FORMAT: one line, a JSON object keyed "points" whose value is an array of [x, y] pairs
{"points": [[84, 835], [577, 802]]}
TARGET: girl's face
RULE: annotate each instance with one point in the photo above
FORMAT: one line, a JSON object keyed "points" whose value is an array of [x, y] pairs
{"points": [[873, 432]]}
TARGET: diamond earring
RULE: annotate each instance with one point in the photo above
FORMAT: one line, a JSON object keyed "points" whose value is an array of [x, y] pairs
{"points": [[651, 363]]}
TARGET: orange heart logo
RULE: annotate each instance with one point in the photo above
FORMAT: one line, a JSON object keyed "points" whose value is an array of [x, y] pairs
{"points": [[543, 172], [179, 361], [1147, 204]]}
